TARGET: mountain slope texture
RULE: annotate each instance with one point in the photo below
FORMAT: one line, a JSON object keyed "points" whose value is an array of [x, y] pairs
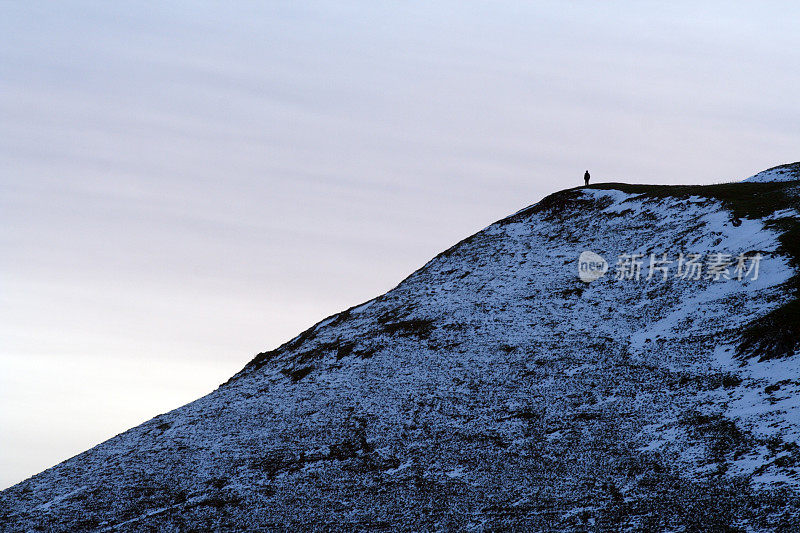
{"points": [[495, 389]]}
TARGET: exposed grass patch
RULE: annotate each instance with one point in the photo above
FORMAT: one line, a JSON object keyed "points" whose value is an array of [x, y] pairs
{"points": [[712, 381], [395, 322], [721, 434], [344, 349], [585, 416], [775, 387], [415, 327], [297, 374]]}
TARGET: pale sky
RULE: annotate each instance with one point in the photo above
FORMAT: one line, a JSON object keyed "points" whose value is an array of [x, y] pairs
{"points": [[186, 184]]}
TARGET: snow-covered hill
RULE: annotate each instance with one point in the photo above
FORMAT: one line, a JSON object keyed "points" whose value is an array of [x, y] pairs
{"points": [[790, 172], [494, 389]]}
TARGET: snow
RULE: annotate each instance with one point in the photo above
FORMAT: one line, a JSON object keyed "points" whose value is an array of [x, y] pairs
{"points": [[491, 389], [790, 172]]}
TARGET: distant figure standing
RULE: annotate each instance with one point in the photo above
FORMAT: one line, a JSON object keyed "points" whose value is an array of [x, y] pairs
{"points": [[586, 178]]}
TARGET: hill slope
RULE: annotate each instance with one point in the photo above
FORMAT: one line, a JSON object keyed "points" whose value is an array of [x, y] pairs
{"points": [[492, 388], [789, 172]]}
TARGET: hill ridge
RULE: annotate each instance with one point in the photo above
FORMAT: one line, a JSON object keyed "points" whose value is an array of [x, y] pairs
{"points": [[492, 388]]}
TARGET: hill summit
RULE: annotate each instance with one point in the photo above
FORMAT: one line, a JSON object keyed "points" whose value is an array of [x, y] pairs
{"points": [[615, 356], [789, 172]]}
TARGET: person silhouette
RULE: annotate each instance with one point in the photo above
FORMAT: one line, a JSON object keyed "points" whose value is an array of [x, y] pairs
{"points": [[586, 178]]}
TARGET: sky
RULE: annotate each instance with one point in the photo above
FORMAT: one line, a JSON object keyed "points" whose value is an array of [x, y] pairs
{"points": [[186, 184]]}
